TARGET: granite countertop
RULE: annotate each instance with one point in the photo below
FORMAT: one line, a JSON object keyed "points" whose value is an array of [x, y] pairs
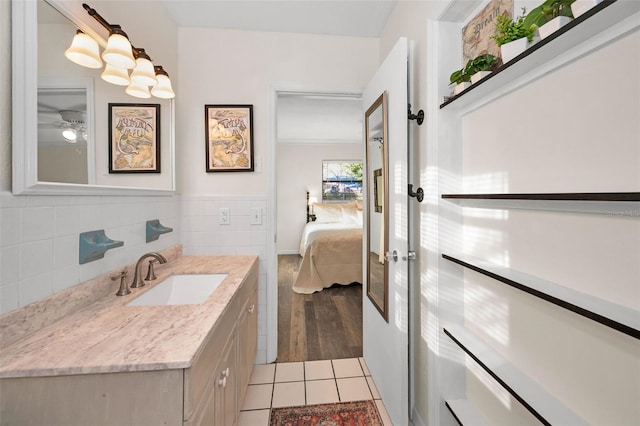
{"points": [[106, 336]]}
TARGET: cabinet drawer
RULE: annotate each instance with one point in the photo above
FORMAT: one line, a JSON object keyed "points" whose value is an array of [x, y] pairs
{"points": [[197, 377]]}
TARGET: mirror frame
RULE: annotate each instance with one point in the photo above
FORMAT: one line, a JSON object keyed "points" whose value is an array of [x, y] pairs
{"points": [[381, 305], [24, 62]]}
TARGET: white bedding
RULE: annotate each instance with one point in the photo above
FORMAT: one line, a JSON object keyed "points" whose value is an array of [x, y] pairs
{"points": [[312, 230]]}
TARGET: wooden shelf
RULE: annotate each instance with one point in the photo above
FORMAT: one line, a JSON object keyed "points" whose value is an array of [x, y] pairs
{"points": [[551, 51], [546, 408], [465, 413], [620, 318], [606, 203]]}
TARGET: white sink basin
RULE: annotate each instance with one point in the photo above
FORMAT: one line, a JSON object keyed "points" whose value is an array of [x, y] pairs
{"points": [[189, 289]]}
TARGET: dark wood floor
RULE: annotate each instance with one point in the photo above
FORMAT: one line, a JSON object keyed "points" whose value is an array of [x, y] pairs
{"points": [[322, 325]]}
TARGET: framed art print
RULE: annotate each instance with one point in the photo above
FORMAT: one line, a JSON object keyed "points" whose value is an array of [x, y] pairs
{"points": [[229, 138], [134, 138], [476, 35]]}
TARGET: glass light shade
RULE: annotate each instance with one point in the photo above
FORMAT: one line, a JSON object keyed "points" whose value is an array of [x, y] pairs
{"points": [[163, 88], [84, 51], [70, 135], [143, 73], [115, 75], [138, 91], [118, 52]]}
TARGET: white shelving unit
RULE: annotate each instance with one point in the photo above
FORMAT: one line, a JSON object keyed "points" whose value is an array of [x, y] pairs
{"points": [[465, 413], [611, 204], [615, 316], [547, 409], [603, 25]]}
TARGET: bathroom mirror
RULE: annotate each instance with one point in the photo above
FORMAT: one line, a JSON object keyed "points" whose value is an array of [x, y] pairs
{"points": [[61, 114], [377, 270]]}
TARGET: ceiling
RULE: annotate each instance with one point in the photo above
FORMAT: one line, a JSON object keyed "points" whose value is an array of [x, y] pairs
{"points": [[358, 18]]}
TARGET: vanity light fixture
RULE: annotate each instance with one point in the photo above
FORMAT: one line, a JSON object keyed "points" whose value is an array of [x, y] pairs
{"points": [[84, 51], [115, 75], [119, 51], [143, 73], [120, 56], [138, 91], [163, 88]]}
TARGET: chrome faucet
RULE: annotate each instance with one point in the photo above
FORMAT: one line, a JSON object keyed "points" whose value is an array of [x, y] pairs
{"points": [[137, 279]]}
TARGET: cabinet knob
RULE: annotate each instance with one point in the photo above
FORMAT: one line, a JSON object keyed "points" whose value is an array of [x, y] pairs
{"points": [[222, 382], [252, 308], [225, 373]]}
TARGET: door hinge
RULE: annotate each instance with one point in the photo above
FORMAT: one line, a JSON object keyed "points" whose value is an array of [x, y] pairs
{"points": [[418, 195], [419, 117]]}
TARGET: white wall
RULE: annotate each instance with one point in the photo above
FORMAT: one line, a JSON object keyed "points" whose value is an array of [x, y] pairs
{"points": [[243, 67], [299, 171], [39, 234]]}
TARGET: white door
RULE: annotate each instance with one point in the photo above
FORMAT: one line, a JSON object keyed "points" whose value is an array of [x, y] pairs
{"points": [[386, 344]]}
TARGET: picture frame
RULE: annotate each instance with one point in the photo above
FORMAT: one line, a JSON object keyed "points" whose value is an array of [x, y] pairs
{"points": [[134, 138], [228, 138], [476, 35]]}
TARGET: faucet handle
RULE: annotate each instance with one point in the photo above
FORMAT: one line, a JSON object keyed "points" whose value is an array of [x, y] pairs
{"points": [[151, 275], [124, 290]]}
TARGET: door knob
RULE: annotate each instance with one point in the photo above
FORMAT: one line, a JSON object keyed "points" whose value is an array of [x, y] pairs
{"points": [[410, 256], [389, 256]]}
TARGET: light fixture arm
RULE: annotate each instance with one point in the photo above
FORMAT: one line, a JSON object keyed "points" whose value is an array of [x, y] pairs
{"points": [[112, 28]]}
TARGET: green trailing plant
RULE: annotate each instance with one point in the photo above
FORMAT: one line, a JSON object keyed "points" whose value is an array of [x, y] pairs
{"points": [[479, 63], [547, 11], [459, 76], [508, 30]]}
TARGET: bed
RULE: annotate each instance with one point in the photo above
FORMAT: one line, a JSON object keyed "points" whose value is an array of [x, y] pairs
{"points": [[331, 248]]}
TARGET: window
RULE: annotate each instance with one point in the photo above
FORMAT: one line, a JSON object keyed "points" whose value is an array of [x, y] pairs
{"points": [[341, 180]]}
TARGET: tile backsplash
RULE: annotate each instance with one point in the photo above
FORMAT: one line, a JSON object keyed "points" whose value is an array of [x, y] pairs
{"points": [[39, 239]]}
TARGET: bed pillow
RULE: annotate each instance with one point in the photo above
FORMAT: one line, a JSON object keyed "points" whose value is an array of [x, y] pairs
{"points": [[328, 213], [351, 216]]}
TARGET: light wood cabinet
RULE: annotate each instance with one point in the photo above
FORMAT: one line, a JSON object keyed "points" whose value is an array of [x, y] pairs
{"points": [[207, 393], [247, 342]]}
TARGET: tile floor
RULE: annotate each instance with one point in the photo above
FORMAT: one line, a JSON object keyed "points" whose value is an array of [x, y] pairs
{"points": [[307, 383]]}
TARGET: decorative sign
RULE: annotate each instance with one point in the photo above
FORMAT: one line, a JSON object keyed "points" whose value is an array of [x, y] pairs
{"points": [[229, 138], [476, 35], [134, 138]]}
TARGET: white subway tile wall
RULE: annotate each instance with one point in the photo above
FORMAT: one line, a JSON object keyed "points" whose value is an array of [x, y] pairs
{"points": [[202, 234], [39, 239]]}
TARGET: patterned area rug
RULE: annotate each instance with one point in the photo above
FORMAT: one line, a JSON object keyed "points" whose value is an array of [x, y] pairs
{"points": [[358, 413]]}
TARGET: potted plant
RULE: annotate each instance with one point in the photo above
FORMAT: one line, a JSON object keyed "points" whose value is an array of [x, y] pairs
{"points": [[461, 79], [550, 16], [513, 36], [579, 7], [480, 66]]}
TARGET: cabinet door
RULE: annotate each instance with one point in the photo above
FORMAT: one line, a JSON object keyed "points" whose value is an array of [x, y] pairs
{"points": [[247, 342], [225, 393]]}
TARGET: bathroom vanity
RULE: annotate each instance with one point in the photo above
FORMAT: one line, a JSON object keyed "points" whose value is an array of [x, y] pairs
{"points": [[112, 364]]}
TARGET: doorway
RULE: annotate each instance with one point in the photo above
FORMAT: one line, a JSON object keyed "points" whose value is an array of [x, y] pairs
{"points": [[312, 128]]}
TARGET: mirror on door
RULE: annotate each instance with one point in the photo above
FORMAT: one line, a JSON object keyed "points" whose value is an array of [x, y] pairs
{"points": [[377, 195]]}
